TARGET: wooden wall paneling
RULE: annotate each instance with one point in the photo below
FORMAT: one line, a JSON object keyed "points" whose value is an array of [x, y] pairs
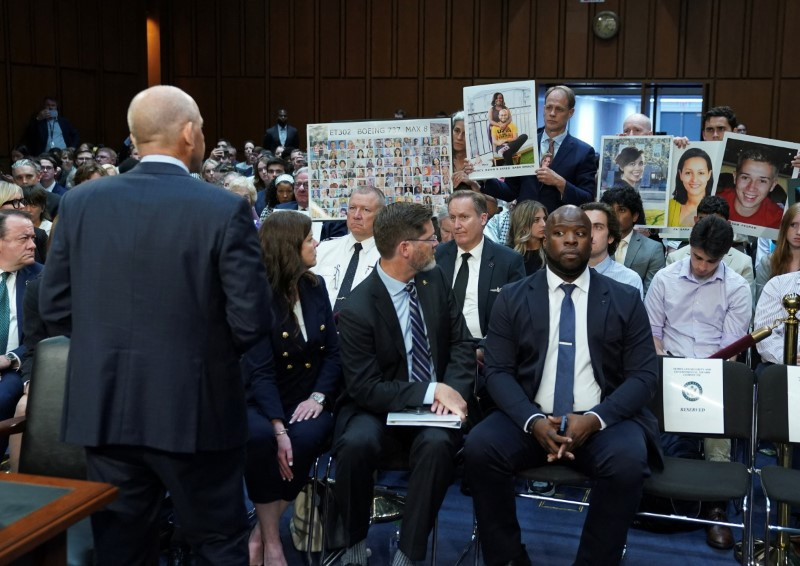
{"points": [[242, 111], [9, 138], [45, 21], [304, 40], [280, 37], [407, 39], [634, 36], [751, 99], [206, 99], [546, 54], [763, 32], [434, 38], [345, 100], [296, 95], [205, 41], [447, 95], [29, 86], [356, 28], [4, 9], [389, 94], [698, 34], [519, 25], [380, 32], [89, 38], [177, 37], [790, 62], [230, 28], [68, 41], [118, 91], [788, 118], [255, 40], [124, 37], [577, 28], [81, 102], [490, 38], [20, 37], [606, 52], [733, 25], [666, 39], [462, 39], [330, 38]]}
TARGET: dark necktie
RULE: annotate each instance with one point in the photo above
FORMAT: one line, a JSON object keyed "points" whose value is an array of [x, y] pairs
{"points": [[460, 285], [5, 311], [565, 370], [349, 275], [551, 147], [420, 349]]}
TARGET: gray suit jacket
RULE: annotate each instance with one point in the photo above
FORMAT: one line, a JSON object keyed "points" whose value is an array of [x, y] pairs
{"points": [[645, 257]]}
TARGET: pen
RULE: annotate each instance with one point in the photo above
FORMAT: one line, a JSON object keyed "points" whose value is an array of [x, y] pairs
{"points": [[563, 428]]}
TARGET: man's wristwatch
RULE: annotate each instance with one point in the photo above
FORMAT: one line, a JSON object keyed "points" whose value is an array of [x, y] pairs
{"points": [[318, 397], [12, 359]]}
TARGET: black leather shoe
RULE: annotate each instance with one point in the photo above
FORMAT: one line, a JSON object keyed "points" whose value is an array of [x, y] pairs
{"points": [[718, 536]]}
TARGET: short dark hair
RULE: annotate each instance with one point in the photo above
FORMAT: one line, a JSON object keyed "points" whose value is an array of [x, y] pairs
{"points": [[721, 111], [54, 159], [757, 154], [712, 204], [478, 200], [611, 221], [5, 213], [713, 235], [627, 197], [397, 222], [37, 196], [628, 154]]}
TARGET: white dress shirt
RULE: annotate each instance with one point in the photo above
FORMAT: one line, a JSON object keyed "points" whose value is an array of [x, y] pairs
{"points": [[470, 310], [333, 257]]}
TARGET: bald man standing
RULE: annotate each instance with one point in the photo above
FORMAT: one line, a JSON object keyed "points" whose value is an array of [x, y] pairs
{"points": [[159, 308], [637, 125]]}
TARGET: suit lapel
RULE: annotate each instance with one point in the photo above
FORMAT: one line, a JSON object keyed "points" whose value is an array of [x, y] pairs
{"points": [[596, 313], [448, 260], [385, 309], [633, 248], [485, 273], [539, 315], [563, 151]]}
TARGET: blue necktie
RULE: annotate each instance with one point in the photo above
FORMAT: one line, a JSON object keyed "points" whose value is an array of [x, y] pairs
{"points": [[420, 349], [5, 311], [565, 370]]}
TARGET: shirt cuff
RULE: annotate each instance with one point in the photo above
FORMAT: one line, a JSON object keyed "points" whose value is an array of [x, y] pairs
{"points": [[533, 416], [602, 422], [429, 397]]}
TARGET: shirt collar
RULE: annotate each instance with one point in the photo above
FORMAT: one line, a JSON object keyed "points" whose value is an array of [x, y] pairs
{"points": [[394, 286], [582, 282], [366, 245], [603, 266], [157, 158], [475, 252], [686, 273]]}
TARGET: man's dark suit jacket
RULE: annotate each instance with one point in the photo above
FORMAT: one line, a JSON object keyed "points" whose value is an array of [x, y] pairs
{"points": [[159, 308], [574, 160], [330, 228], [37, 133], [272, 138], [24, 276], [645, 257], [620, 346], [373, 353], [499, 265]]}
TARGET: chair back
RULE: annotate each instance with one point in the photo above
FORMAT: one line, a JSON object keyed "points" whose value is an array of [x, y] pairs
{"points": [[43, 453], [737, 396], [773, 406]]}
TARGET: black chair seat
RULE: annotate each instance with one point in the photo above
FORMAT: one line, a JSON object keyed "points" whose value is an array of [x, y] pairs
{"points": [[698, 480], [780, 484], [554, 473]]}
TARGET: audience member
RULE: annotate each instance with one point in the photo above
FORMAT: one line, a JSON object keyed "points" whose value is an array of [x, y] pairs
{"points": [[48, 129], [461, 164], [267, 170], [527, 233], [26, 174], [89, 172], [50, 168], [106, 155], [281, 134], [637, 125]]}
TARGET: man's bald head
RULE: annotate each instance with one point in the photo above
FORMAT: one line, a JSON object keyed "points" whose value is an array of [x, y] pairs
{"points": [[637, 125], [161, 120]]}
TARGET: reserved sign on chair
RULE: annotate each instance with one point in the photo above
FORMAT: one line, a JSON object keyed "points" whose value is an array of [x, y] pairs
{"points": [[693, 400]]}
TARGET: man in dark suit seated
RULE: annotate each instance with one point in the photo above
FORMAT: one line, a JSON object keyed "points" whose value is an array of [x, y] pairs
{"points": [[159, 312], [566, 343], [476, 266], [403, 345], [570, 178]]}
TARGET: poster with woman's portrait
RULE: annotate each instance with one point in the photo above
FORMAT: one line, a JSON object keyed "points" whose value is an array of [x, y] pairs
{"points": [[641, 163], [752, 175], [501, 129], [409, 160], [691, 178]]}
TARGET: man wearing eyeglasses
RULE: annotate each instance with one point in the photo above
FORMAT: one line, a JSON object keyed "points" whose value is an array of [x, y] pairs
{"points": [[50, 167], [403, 345], [27, 174], [330, 229], [17, 268]]}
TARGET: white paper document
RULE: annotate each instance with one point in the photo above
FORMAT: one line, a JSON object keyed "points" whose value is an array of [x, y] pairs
{"points": [[423, 418], [693, 400]]}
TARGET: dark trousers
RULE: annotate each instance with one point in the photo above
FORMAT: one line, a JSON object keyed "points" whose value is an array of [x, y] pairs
{"points": [[207, 494], [309, 439], [615, 458], [513, 147], [10, 394], [365, 442]]}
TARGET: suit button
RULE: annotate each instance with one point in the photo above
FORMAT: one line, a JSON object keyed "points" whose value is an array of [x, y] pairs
{"points": [[322, 327], [321, 348], [308, 365], [289, 366], [285, 335], [286, 354]]}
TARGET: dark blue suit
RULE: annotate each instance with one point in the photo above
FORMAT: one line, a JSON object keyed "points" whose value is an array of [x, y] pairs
{"points": [[499, 265], [11, 382], [330, 228], [280, 373], [618, 458], [574, 160], [159, 309]]}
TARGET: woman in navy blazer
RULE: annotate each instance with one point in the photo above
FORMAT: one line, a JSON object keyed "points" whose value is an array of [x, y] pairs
{"points": [[292, 380]]}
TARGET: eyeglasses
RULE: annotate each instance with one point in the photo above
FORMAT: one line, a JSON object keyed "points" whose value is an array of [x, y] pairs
{"points": [[16, 203], [430, 240], [299, 184], [47, 168]]}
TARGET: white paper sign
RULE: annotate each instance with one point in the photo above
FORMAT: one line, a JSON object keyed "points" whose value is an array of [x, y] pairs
{"points": [[693, 400], [793, 397]]}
